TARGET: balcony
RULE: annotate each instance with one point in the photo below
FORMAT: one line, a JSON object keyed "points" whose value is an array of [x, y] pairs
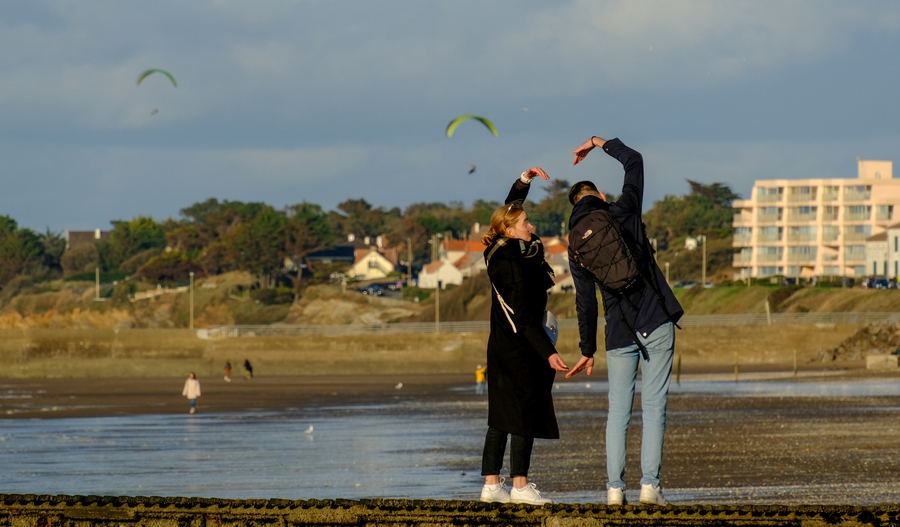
{"points": [[768, 198], [801, 218], [771, 257], [802, 257], [768, 218], [741, 260], [762, 237], [857, 216], [850, 236], [803, 237], [851, 257], [855, 195], [884, 215], [740, 219], [742, 239], [800, 197], [830, 196]]}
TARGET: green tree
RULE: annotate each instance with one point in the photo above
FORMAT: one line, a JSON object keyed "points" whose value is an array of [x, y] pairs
{"points": [[129, 238], [21, 250]]}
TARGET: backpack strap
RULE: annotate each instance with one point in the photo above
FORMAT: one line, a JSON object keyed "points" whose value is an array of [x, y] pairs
{"points": [[505, 307], [655, 281]]}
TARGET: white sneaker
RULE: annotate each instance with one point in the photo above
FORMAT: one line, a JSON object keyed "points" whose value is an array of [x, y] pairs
{"points": [[616, 496], [498, 495], [652, 495], [528, 494], [192, 410]]}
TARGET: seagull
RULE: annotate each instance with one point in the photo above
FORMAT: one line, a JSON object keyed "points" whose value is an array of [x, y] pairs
{"points": [[310, 429], [472, 169], [154, 112], [398, 385]]}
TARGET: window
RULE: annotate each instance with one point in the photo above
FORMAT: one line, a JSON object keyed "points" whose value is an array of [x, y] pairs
{"points": [[875, 268], [895, 243]]}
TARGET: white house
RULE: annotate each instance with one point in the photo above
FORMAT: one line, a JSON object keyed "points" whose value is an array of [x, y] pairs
{"points": [[883, 253], [370, 265], [877, 255], [442, 271], [563, 283]]}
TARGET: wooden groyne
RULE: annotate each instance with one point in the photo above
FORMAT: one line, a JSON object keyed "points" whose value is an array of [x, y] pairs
{"points": [[28, 510]]}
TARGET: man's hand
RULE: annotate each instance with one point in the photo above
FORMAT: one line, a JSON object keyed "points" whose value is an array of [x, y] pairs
{"points": [[557, 363], [582, 151], [583, 362], [535, 172]]}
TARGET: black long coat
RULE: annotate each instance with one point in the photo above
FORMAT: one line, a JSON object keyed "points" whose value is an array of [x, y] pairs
{"points": [[519, 376]]}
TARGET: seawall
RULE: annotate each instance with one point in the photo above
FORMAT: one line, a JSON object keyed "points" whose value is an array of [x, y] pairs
{"points": [[165, 352], [114, 511]]}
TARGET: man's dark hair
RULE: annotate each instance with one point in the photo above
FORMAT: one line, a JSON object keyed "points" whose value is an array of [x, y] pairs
{"points": [[580, 188]]}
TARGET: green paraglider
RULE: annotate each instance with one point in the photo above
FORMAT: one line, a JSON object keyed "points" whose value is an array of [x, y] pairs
{"points": [[456, 122], [152, 71]]}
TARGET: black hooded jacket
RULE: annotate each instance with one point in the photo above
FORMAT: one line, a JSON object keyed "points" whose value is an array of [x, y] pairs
{"points": [[649, 314]]}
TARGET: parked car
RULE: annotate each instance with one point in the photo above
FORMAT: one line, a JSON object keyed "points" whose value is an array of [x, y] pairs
{"points": [[686, 284], [879, 283], [371, 289], [394, 286]]}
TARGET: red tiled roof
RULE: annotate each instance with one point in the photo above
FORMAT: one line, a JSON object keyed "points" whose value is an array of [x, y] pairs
{"points": [[433, 267]]}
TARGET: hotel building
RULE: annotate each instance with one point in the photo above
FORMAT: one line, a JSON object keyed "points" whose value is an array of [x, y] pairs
{"points": [[814, 227]]}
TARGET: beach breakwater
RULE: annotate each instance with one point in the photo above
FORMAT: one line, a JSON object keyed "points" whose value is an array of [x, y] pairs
{"points": [[115, 511]]}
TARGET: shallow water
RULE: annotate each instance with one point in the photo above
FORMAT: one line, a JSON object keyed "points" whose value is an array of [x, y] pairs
{"points": [[403, 449]]}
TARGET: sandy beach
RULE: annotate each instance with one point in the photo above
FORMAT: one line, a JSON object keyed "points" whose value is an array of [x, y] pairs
{"points": [[712, 441]]}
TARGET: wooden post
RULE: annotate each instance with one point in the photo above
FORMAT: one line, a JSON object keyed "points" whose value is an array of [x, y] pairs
{"points": [[735, 366], [678, 370]]}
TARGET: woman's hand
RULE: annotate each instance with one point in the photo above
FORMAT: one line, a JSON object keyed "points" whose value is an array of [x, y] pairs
{"points": [[557, 363], [582, 151], [535, 172]]}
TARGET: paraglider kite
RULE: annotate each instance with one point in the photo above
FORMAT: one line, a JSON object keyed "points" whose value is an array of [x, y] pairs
{"points": [[456, 122], [150, 72]]}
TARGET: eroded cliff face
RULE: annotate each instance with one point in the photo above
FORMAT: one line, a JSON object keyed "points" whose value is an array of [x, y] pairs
{"points": [[116, 511]]}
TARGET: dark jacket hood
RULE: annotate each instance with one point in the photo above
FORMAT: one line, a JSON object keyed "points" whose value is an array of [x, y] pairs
{"points": [[585, 206]]}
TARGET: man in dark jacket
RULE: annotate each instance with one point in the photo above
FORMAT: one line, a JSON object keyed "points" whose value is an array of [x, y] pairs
{"points": [[651, 319]]}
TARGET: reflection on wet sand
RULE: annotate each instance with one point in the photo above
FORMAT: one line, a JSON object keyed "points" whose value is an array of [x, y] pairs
{"points": [[817, 441]]}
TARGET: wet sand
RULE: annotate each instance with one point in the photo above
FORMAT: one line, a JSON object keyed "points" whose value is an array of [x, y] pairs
{"points": [[712, 441]]}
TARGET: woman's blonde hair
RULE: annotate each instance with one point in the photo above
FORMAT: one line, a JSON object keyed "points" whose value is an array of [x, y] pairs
{"points": [[503, 218]]}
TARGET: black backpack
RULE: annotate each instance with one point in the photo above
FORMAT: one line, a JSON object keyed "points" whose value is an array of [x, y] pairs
{"points": [[615, 260], [601, 245]]}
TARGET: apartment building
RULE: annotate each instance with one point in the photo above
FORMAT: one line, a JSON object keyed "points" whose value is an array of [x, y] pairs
{"points": [[814, 227]]}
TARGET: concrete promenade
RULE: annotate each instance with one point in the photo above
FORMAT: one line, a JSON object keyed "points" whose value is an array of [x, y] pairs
{"points": [[114, 511]]}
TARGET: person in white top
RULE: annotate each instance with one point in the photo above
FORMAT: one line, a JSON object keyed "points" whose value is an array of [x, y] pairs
{"points": [[192, 391]]}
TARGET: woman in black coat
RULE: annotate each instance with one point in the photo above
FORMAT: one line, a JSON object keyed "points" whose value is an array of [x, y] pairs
{"points": [[522, 361]]}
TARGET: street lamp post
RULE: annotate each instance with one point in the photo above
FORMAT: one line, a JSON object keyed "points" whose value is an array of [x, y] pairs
{"points": [[667, 272], [437, 308], [409, 264], [702, 238], [192, 300]]}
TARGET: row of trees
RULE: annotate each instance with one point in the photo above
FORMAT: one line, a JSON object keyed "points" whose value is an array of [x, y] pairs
{"points": [[214, 237]]}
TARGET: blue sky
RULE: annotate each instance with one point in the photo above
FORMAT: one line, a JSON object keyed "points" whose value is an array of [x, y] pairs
{"points": [[285, 102]]}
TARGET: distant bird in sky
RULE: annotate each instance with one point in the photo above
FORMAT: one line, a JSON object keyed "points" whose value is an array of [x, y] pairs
{"points": [[472, 169], [154, 112], [399, 385], [310, 429]]}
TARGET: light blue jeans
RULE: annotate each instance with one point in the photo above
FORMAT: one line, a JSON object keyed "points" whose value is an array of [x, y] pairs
{"points": [[622, 364]]}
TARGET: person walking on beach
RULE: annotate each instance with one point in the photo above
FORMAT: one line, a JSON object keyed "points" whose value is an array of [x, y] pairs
{"points": [[639, 327], [479, 379], [191, 391], [249, 368], [228, 370], [523, 361]]}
